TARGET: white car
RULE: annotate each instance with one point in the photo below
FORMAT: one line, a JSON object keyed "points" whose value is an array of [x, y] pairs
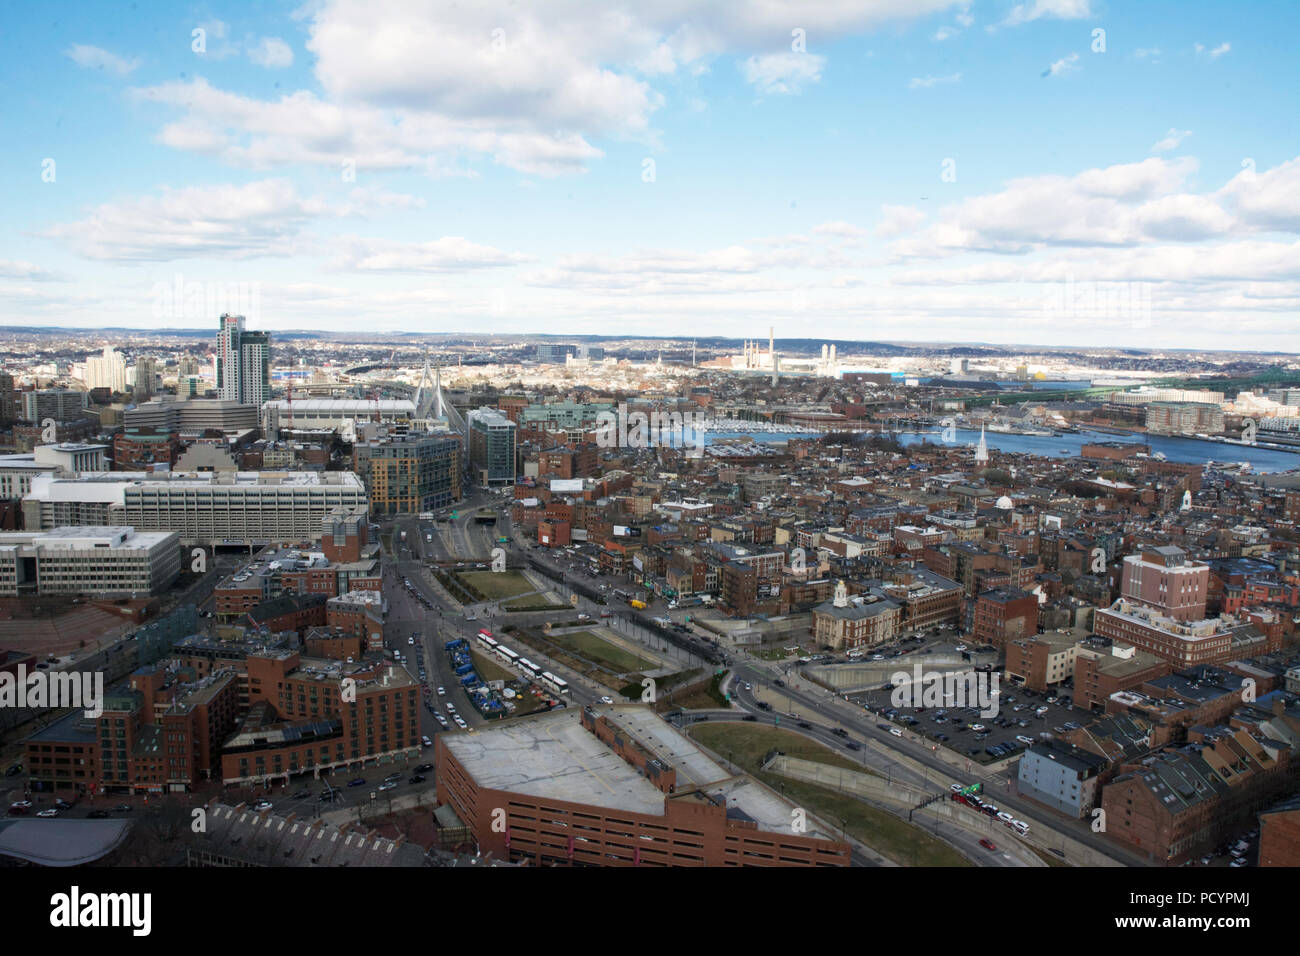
{"points": [[961, 647], [1025, 740], [411, 641], [895, 731], [607, 700], [51, 812], [442, 692], [426, 741]]}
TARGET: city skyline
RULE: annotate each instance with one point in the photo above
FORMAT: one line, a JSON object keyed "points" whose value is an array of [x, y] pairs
{"points": [[997, 173]]}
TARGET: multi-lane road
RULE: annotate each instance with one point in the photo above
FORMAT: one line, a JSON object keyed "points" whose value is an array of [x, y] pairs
{"points": [[429, 617]]}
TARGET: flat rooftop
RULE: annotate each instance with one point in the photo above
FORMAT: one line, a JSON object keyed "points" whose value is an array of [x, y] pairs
{"points": [[553, 756]]}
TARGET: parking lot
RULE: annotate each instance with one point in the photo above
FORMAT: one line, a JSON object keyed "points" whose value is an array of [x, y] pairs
{"points": [[1023, 716]]}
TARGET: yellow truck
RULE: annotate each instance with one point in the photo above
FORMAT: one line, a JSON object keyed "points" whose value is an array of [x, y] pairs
{"points": [[639, 605]]}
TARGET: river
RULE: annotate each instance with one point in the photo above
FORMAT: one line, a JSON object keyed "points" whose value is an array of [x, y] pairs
{"points": [[1069, 445]]}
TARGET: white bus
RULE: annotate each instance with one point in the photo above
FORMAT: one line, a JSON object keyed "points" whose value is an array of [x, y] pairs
{"points": [[507, 655], [557, 684], [529, 668]]}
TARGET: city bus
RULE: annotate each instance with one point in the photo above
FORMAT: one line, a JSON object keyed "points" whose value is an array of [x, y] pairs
{"points": [[529, 668], [556, 684], [507, 655]]}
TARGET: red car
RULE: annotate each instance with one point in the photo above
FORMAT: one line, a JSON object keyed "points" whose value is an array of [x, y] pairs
{"points": [[988, 844]]}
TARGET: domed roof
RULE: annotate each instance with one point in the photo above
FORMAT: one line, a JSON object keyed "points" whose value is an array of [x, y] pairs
{"points": [[1004, 503]]}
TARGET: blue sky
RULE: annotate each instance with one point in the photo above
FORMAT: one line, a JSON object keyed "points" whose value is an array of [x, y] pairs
{"points": [[899, 169]]}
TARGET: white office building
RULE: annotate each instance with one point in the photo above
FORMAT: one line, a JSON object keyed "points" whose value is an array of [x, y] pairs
{"points": [[101, 561], [210, 508]]}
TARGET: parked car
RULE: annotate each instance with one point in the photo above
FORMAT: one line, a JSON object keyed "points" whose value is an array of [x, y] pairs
{"points": [[97, 814], [357, 782], [390, 785], [51, 812]]}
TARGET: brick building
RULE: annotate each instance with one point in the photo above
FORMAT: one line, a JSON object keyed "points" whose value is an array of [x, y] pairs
{"points": [[1004, 615], [640, 794]]}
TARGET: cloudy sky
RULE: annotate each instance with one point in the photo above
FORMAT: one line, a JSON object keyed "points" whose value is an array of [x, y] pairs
{"points": [[1061, 172]]}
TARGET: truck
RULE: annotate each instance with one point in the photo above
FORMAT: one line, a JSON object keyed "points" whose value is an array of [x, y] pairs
{"points": [[453, 644], [639, 605], [464, 669]]}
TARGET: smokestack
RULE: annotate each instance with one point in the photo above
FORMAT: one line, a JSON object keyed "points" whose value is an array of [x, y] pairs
{"points": [[771, 340], [776, 369]]}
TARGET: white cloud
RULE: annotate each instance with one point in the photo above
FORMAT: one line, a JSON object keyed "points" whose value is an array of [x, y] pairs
{"points": [[530, 86], [1143, 53], [1171, 140], [1050, 9], [272, 53], [925, 82], [839, 230], [263, 218], [783, 72], [1123, 207], [300, 128], [95, 58], [1214, 54], [1064, 65], [898, 220], [1267, 201], [944, 33], [449, 254], [18, 269]]}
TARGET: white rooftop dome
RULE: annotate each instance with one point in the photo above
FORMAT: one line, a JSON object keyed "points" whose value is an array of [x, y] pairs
{"points": [[1004, 503]]}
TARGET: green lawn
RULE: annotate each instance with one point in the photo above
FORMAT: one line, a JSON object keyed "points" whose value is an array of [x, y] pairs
{"points": [[907, 844], [495, 585], [528, 601], [595, 648], [747, 744]]}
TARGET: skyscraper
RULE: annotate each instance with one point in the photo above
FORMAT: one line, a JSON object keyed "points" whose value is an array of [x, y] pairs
{"points": [[243, 362], [106, 371], [146, 374]]}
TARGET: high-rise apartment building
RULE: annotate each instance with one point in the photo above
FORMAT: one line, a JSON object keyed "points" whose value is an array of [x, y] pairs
{"points": [[8, 400], [107, 370], [60, 404], [243, 362], [407, 474], [491, 446], [146, 378]]}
